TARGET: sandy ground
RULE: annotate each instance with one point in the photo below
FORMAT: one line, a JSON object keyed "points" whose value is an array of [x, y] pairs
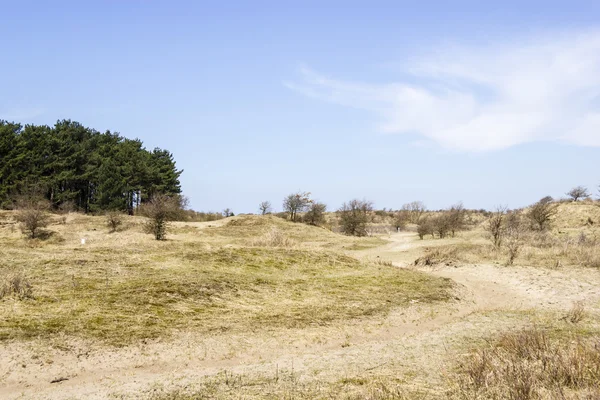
{"points": [[411, 342]]}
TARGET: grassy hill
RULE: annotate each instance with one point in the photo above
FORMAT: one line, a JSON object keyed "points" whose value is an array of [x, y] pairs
{"points": [[207, 277]]}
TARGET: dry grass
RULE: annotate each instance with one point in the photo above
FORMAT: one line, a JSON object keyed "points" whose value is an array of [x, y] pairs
{"points": [[274, 237], [546, 249], [123, 287], [284, 384], [531, 364], [577, 313], [246, 230], [14, 284], [452, 254]]}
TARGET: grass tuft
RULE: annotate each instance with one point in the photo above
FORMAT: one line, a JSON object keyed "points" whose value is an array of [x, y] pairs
{"points": [[531, 364]]}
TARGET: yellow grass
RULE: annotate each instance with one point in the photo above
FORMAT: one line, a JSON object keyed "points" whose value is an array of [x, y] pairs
{"points": [[122, 287]]}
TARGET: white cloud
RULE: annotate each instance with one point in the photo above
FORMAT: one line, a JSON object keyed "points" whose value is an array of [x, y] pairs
{"points": [[481, 99], [21, 115]]}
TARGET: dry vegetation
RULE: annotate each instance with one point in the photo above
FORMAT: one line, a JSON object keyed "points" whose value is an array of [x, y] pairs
{"points": [[534, 363], [265, 277], [124, 287], [571, 241]]}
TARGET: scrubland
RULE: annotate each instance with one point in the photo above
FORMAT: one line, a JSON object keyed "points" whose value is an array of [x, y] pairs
{"points": [[253, 307]]}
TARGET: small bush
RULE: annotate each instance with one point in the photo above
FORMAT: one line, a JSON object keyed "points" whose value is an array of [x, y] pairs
{"points": [[15, 284], [542, 213], [514, 236], [354, 217], [577, 313], [160, 210], [425, 227], [315, 214], [114, 220]]}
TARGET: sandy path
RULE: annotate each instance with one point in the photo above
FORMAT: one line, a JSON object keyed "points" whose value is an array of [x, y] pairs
{"points": [[395, 343]]}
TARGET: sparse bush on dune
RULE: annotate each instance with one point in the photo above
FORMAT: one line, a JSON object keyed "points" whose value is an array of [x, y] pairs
{"points": [[315, 214], [354, 217], [542, 213], [296, 203], [265, 207], [425, 227], [514, 236], [578, 192], [496, 225], [114, 220], [161, 210], [32, 212], [414, 211], [401, 219]]}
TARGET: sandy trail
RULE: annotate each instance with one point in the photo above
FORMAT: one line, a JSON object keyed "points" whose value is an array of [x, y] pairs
{"points": [[406, 340]]}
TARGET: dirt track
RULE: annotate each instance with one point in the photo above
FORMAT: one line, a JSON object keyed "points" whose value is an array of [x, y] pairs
{"points": [[415, 341]]}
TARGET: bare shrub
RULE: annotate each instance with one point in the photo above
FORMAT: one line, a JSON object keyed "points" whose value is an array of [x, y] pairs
{"points": [[273, 238], [114, 220], [414, 211], [265, 207], [515, 236], [578, 192], [354, 217], [160, 210], [456, 218], [15, 284], [441, 224], [315, 214], [425, 227], [495, 225], [401, 219], [295, 203], [542, 212], [530, 364], [32, 212], [228, 213]]}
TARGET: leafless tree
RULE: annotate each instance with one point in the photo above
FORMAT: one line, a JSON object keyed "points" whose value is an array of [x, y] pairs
{"points": [[542, 212], [354, 217], [160, 210], [578, 192], [114, 220], [496, 225], [514, 236], [265, 207], [456, 218], [414, 210], [442, 224], [295, 203], [228, 213], [315, 214], [32, 211]]}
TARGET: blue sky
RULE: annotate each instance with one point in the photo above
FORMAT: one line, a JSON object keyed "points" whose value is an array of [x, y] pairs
{"points": [[392, 101]]}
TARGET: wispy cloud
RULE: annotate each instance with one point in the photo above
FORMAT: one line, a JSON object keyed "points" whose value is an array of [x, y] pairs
{"points": [[480, 99], [21, 115]]}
